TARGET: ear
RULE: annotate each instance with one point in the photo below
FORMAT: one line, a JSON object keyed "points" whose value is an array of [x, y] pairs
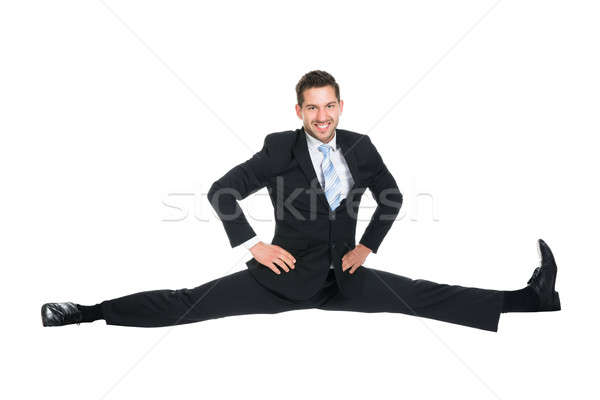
{"points": [[299, 111], [341, 106]]}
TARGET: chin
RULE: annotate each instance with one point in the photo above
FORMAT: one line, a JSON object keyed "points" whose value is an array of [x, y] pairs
{"points": [[325, 135]]}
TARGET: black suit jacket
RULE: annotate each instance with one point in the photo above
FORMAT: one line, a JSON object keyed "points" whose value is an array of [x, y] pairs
{"points": [[304, 224]]}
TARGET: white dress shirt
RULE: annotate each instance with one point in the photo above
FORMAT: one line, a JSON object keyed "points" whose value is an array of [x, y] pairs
{"points": [[339, 164], [337, 159]]}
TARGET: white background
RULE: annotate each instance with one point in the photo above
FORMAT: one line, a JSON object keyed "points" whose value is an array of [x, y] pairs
{"points": [[485, 112]]}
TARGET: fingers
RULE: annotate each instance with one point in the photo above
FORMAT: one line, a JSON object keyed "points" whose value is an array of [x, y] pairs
{"points": [[282, 264], [274, 268], [289, 255], [283, 258], [288, 259], [347, 262], [349, 266]]}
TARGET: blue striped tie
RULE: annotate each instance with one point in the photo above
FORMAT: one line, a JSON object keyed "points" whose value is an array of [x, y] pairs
{"points": [[332, 181]]}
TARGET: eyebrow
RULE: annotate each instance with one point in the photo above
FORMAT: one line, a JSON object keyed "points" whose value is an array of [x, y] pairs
{"points": [[314, 105]]}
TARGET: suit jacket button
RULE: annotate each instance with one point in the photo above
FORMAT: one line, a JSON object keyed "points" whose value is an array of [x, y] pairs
{"points": [[333, 246]]}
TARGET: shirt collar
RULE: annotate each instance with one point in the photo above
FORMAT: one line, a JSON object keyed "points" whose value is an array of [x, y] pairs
{"points": [[315, 143]]}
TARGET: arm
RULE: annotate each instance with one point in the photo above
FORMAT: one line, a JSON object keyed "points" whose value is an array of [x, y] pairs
{"points": [[237, 184], [387, 195]]}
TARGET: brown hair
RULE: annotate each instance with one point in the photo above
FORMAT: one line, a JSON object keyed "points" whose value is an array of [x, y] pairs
{"points": [[316, 79]]}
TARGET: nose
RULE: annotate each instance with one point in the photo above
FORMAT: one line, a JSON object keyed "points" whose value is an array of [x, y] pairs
{"points": [[322, 116]]}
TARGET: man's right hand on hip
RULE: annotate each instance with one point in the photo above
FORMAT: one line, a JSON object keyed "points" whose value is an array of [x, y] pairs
{"points": [[271, 256]]}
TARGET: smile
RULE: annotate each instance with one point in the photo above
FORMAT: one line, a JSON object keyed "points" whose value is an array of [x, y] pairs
{"points": [[323, 126]]}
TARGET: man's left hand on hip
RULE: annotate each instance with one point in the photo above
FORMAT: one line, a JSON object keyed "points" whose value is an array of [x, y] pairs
{"points": [[355, 258]]}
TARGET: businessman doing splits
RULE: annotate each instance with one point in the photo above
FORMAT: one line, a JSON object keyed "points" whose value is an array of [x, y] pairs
{"points": [[315, 176]]}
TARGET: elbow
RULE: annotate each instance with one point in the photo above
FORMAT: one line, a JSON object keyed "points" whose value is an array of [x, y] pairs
{"points": [[392, 199], [213, 192], [397, 199]]}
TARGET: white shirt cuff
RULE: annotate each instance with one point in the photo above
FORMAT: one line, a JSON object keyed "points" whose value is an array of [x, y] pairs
{"points": [[251, 242]]}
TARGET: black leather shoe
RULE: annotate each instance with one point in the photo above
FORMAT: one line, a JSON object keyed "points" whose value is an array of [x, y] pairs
{"points": [[57, 314], [543, 279]]}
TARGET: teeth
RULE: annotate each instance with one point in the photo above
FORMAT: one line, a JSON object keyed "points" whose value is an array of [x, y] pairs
{"points": [[323, 126]]}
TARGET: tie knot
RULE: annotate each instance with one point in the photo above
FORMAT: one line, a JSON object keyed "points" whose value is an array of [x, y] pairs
{"points": [[324, 148]]}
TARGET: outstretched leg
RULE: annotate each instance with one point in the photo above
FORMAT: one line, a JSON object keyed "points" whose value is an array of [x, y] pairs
{"points": [[469, 306], [235, 294], [387, 292]]}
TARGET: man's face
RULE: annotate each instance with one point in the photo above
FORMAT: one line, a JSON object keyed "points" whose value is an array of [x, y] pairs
{"points": [[320, 112]]}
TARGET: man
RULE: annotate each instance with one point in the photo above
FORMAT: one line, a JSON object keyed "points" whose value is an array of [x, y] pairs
{"points": [[316, 176]]}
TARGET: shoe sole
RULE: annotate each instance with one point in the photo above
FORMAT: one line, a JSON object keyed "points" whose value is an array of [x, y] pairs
{"points": [[555, 306]]}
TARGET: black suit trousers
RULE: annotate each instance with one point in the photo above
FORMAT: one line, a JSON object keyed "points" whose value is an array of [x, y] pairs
{"points": [[239, 293]]}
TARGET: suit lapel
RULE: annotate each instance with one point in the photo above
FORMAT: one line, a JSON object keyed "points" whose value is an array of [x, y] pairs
{"points": [[304, 161], [349, 155]]}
